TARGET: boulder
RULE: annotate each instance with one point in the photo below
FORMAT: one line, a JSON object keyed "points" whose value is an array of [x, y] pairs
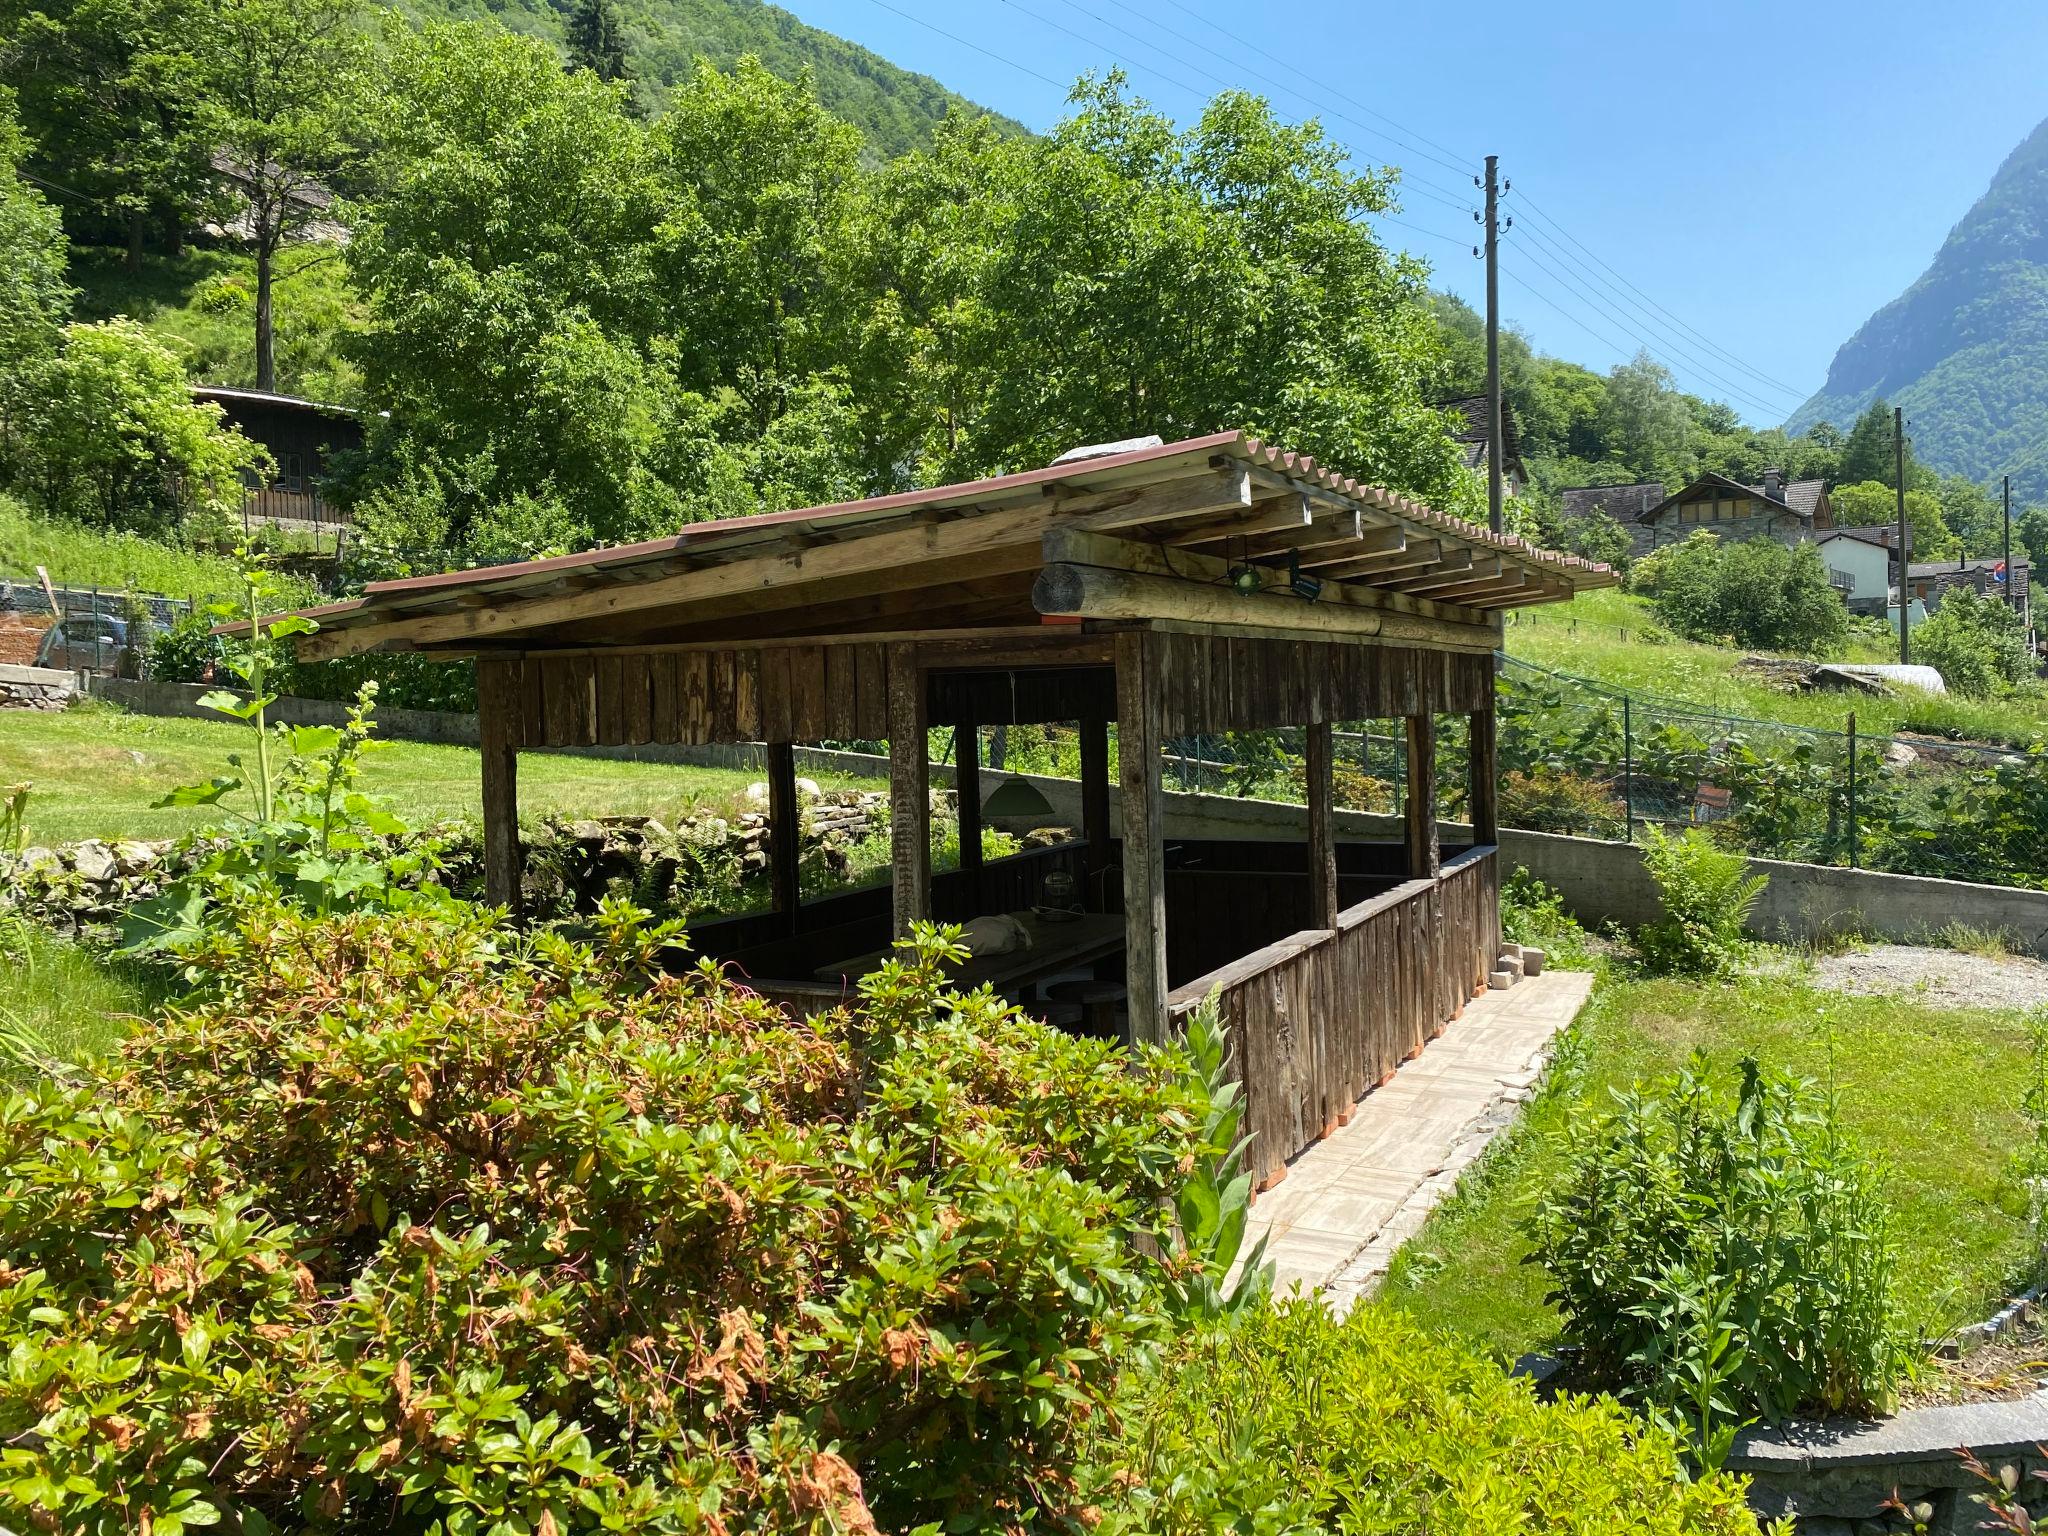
{"points": [[94, 860]]}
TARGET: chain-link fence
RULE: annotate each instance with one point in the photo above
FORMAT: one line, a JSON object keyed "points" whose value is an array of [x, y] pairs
{"points": [[1581, 758], [82, 629]]}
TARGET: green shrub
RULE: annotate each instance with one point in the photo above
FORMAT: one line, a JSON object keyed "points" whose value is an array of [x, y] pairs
{"points": [[1533, 913], [1719, 1262], [1707, 894], [1292, 1421], [1552, 800], [1977, 644], [1755, 592], [414, 1226]]}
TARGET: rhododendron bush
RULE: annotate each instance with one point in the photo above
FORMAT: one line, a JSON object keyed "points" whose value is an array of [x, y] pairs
{"points": [[410, 1225]]}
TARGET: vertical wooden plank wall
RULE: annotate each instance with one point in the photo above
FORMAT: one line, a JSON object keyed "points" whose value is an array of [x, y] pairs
{"points": [[1322, 1017]]}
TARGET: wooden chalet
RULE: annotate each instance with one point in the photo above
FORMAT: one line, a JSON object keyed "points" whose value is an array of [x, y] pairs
{"points": [[1141, 593]]}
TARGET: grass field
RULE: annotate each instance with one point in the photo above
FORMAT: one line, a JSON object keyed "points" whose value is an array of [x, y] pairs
{"points": [[1934, 1092], [59, 1000], [97, 770], [1609, 636], [90, 557]]}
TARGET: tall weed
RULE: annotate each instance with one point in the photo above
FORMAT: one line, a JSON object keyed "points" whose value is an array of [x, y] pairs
{"points": [[1707, 894]]}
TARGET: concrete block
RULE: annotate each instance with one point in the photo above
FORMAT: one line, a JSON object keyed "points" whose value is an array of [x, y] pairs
{"points": [[1500, 981], [1532, 961]]}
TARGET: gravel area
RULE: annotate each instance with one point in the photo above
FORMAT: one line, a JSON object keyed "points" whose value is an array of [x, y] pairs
{"points": [[1945, 978]]}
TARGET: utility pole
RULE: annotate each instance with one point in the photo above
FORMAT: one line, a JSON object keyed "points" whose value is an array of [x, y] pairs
{"points": [[1495, 448], [1905, 554], [2005, 554]]}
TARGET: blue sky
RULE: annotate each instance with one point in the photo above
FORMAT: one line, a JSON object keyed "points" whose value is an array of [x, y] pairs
{"points": [[1764, 175]]}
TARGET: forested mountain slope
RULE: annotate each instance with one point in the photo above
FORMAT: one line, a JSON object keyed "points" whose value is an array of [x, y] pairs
{"points": [[1965, 349], [894, 109]]}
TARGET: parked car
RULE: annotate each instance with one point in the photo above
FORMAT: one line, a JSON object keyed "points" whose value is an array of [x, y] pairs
{"points": [[94, 642]]}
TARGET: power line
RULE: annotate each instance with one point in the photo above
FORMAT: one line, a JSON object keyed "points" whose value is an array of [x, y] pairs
{"points": [[988, 53], [1294, 90], [1457, 240], [1677, 338], [1047, 21], [1461, 164], [1702, 338], [1622, 320]]}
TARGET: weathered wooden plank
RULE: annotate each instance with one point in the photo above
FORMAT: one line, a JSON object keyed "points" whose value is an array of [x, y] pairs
{"points": [[611, 699], [1322, 833], [777, 714], [910, 837], [636, 674], [1144, 845], [661, 694], [721, 697], [807, 694], [840, 699], [499, 729], [746, 696], [533, 705], [871, 685], [693, 697]]}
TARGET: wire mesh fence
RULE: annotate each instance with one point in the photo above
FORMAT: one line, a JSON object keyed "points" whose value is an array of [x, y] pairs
{"points": [[1579, 758], [82, 629]]}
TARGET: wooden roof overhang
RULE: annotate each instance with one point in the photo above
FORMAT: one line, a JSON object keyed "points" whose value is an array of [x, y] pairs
{"points": [[1146, 536]]}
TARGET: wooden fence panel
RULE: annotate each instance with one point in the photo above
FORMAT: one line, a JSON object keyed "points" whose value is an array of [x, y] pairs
{"points": [[1323, 1016]]}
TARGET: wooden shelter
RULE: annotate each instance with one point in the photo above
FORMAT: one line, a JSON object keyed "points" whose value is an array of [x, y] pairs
{"points": [[1142, 593]]}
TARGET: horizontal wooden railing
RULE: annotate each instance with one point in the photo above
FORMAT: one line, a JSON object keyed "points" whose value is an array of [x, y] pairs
{"points": [[1322, 1016]]}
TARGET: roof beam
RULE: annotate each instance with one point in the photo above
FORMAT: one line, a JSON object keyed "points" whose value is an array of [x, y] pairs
{"points": [[1272, 514], [1414, 552], [1228, 489], [902, 555], [1098, 592]]}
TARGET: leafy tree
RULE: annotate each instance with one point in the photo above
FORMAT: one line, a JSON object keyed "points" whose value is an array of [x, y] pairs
{"points": [[106, 93], [116, 440], [1645, 421], [1756, 592], [506, 256], [1598, 537], [764, 197], [596, 41], [1868, 453], [1971, 513], [2030, 536], [33, 291], [1141, 278], [1870, 503], [1978, 644], [279, 79]]}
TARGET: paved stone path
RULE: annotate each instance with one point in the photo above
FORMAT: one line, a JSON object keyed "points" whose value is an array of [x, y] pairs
{"points": [[1351, 1199]]}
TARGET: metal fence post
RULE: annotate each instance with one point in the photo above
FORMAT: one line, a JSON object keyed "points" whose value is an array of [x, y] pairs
{"points": [[1854, 851], [1628, 764]]}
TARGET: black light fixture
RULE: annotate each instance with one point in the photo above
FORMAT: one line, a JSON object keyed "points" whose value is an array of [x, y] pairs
{"points": [[1244, 579], [1307, 588]]}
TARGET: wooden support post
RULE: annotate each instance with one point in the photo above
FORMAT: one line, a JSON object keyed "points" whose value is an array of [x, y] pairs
{"points": [[1095, 807], [910, 805], [785, 828], [967, 784], [1138, 741], [1485, 772], [500, 729], [1425, 857], [1322, 830]]}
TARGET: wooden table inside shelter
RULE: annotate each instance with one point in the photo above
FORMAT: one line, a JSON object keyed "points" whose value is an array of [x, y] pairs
{"points": [[1055, 946]]}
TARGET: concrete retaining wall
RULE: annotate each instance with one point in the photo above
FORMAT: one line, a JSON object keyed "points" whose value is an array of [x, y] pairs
{"points": [[1601, 882], [36, 687]]}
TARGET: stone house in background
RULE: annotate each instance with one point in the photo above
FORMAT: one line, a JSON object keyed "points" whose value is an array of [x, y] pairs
{"points": [[1626, 504], [1472, 438], [1790, 511]]}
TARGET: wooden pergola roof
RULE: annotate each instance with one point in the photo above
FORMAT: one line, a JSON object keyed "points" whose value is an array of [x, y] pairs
{"points": [[1150, 533]]}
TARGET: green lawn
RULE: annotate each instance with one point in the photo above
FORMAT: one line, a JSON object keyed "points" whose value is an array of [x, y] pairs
{"points": [[1602, 635], [97, 770], [59, 1000], [1935, 1092]]}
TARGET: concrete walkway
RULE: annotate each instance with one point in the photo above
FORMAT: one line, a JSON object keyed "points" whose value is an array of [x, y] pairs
{"points": [[1351, 1199]]}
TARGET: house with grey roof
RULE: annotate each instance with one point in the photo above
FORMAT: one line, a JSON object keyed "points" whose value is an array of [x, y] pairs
{"points": [[1626, 504], [1471, 435], [1790, 511]]}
